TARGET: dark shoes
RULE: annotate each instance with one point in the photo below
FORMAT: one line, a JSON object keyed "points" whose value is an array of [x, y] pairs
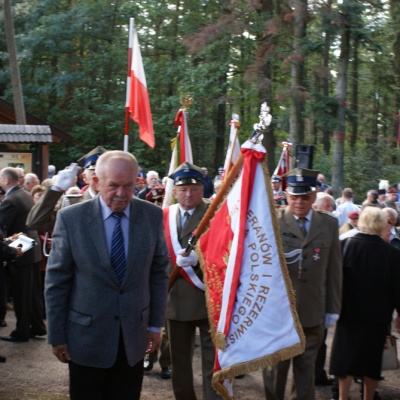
{"points": [[148, 365], [165, 373], [12, 338], [3, 323], [324, 381], [3, 359], [33, 334]]}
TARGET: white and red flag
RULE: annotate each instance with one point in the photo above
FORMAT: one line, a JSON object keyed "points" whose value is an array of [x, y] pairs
{"points": [[250, 298], [233, 151], [137, 97], [284, 163], [185, 147], [181, 152]]}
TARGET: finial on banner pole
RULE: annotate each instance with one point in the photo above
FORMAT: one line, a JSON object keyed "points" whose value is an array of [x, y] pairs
{"points": [[186, 102]]}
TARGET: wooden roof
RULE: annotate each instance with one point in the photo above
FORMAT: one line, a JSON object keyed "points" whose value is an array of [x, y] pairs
{"points": [[7, 117], [25, 133]]}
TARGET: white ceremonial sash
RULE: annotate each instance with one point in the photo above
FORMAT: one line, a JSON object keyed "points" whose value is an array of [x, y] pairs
{"points": [[176, 246]]}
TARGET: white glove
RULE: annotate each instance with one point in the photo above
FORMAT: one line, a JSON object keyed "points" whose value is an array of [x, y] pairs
{"points": [[65, 178], [186, 261], [330, 319]]}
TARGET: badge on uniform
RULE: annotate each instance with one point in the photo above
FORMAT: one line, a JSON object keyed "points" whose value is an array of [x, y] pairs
{"points": [[316, 256]]}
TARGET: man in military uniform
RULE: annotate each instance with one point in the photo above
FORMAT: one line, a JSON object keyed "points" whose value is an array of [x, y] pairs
{"points": [[89, 164], [43, 214], [186, 306], [311, 246]]}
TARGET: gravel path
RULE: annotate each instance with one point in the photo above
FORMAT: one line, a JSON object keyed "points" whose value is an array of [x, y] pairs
{"points": [[33, 373]]}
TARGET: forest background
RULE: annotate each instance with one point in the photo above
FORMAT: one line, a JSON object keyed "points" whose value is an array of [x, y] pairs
{"points": [[329, 70]]}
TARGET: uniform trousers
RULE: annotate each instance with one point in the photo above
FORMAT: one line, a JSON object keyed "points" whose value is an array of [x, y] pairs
{"points": [[165, 355], [121, 381], [303, 370], [182, 339]]}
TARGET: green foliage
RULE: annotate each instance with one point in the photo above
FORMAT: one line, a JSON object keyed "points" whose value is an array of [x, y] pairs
{"points": [[229, 56]]}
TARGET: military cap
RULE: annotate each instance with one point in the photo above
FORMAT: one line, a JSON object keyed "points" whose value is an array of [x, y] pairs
{"points": [[392, 190], [301, 181], [187, 174], [276, 178], [89, 160]]}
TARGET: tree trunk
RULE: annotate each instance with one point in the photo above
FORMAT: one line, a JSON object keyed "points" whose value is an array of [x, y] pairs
{"points": [[341, 88], [14, 67], [354, 106], [327, 133], [297, 88]]}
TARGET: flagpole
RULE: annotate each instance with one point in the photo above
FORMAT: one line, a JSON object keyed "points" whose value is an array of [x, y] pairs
{"points": [[128, 83]]}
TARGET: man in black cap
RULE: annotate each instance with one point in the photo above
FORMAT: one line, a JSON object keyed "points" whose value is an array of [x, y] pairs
{"points": [[311, 246], [186, 306]]}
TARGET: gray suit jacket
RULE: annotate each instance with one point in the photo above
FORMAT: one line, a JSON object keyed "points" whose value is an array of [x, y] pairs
{"points": [[86, 307], [318, 290]]}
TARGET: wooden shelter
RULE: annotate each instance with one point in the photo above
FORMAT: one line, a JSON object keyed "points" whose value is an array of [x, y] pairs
{"points": [[37, 134]]}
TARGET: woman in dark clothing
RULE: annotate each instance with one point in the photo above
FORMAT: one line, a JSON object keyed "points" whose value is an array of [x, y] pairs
{"points": [[371, 292]]}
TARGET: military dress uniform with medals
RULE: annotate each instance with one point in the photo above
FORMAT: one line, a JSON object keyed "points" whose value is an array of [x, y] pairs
{"points": [[311, 248], [186, 306]]}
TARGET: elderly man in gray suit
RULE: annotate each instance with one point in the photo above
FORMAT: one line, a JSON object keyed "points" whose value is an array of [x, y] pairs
{"points": [[106, 285]]}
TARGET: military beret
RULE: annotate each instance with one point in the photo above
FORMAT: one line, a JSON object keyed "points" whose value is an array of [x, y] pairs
{"points": [[353, 215]]}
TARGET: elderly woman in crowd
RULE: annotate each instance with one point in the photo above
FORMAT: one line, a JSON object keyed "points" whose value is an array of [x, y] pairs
{"points": [[371, 292]]}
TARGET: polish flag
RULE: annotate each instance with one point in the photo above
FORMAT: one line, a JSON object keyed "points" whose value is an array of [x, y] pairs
{"points": [[137, 97]]}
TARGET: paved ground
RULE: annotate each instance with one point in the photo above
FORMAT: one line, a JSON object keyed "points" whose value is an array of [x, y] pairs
{"points": [[33, 373]]}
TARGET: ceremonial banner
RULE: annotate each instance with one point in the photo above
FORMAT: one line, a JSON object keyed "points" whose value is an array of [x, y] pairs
{"points": [[233, 151], [137, 96], [169, 196], [249, 294], [284, 163], [185, 147], [181, 152]]}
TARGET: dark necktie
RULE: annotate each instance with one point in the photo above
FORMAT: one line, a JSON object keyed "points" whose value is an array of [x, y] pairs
{"points": [[302, 225], [118, 248], [186, 220]]}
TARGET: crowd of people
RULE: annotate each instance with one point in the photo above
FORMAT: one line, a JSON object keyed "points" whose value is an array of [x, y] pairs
{"points": [[111, 285]]}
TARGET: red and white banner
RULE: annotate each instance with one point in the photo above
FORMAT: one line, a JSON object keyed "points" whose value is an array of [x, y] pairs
{"points": [[137, 97], [169, 186], [284, 163], [181, 152], [249, 293], [185, 147], [233, 151]]}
